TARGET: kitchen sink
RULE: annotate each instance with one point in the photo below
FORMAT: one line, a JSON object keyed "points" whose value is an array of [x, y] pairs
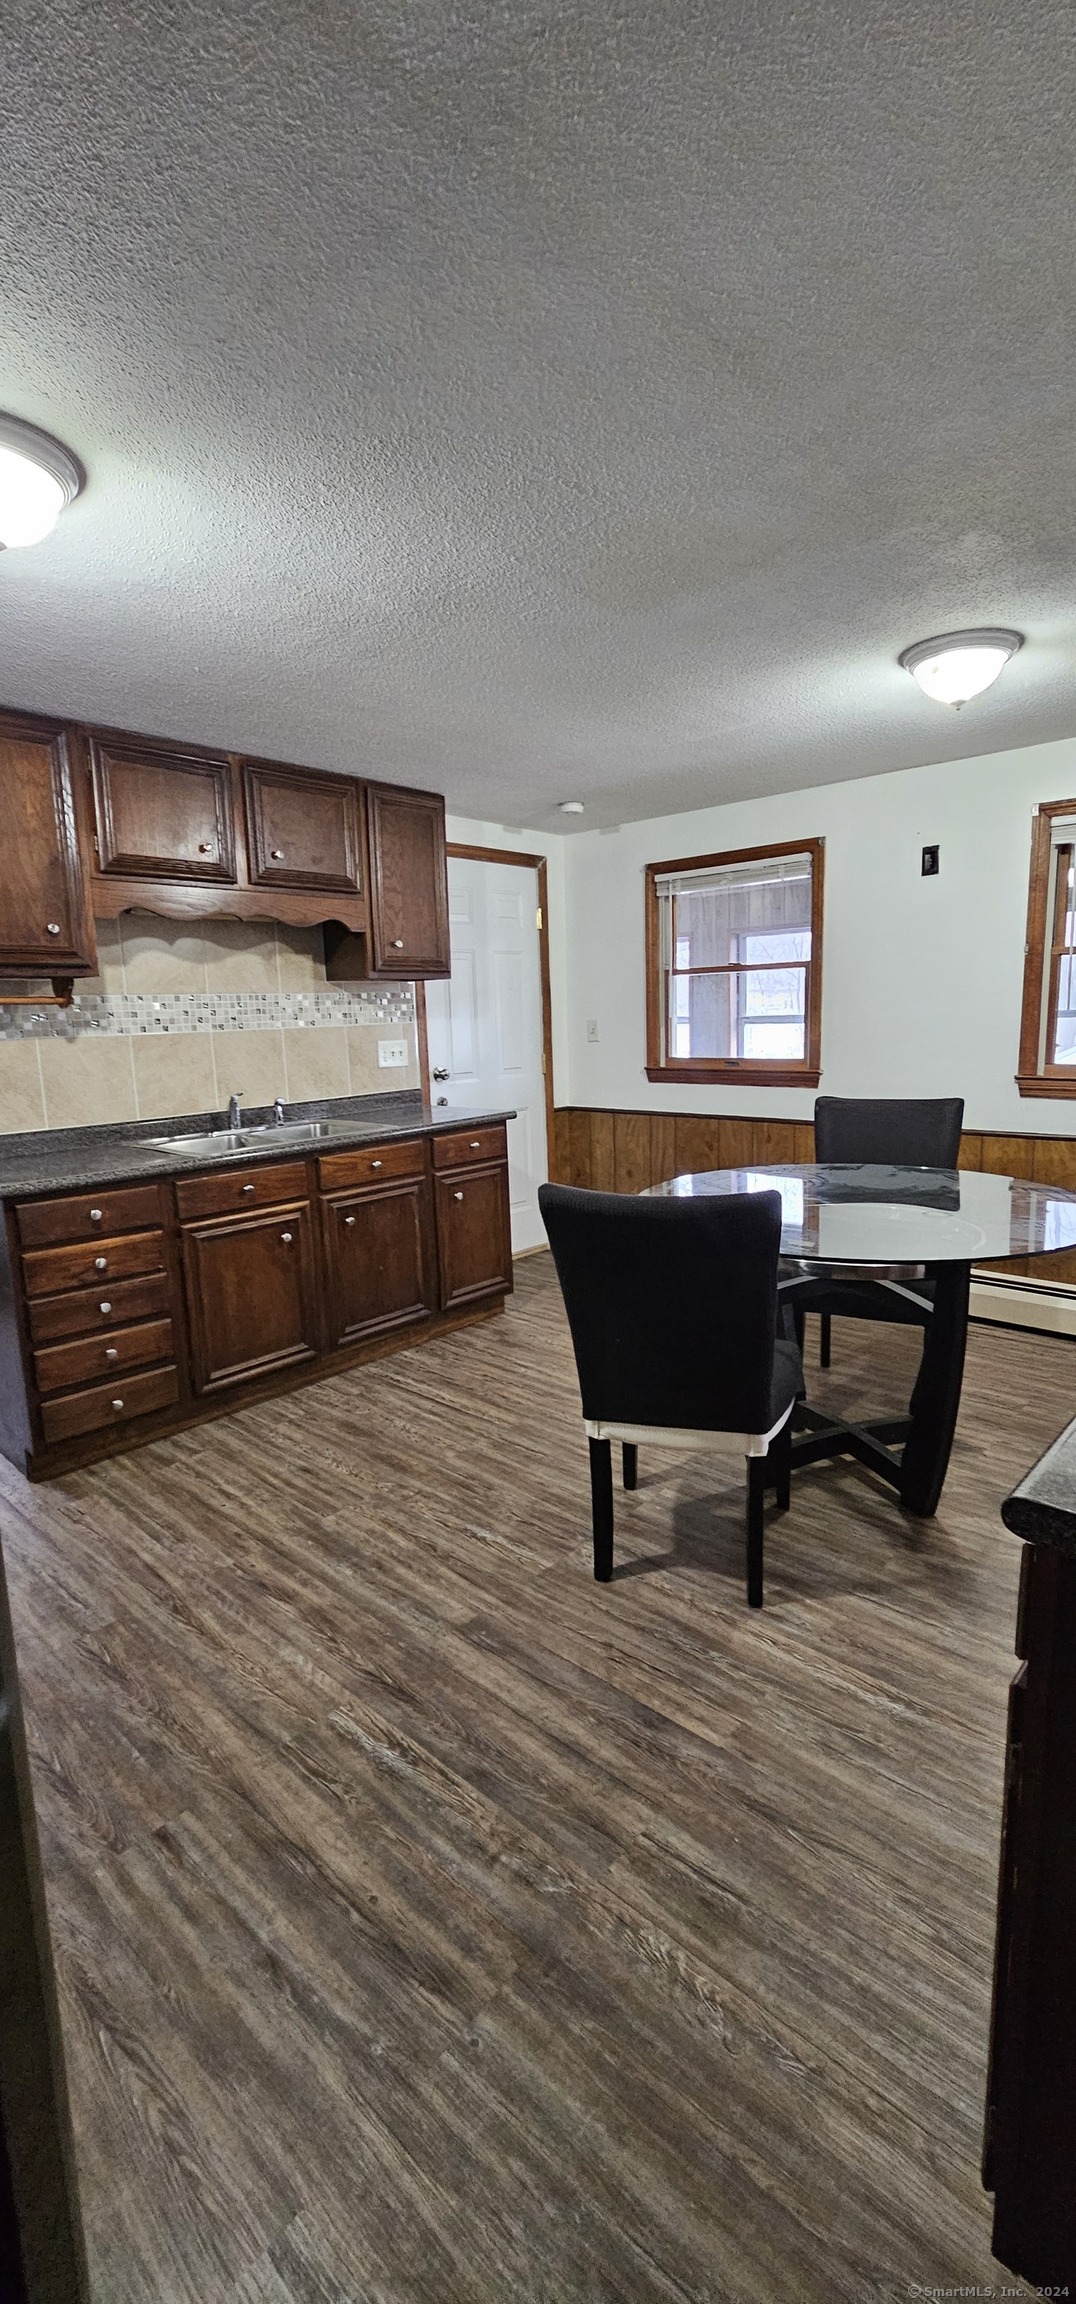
{"points": [[261, 1139]]}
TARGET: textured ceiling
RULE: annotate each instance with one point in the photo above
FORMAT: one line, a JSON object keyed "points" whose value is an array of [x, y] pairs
{"points": [[549, 398]]}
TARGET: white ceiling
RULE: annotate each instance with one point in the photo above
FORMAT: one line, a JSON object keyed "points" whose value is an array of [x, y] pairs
{"points": [[544, 398]]}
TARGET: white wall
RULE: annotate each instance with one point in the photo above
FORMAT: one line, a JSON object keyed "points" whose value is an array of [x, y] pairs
{"points": [[922, 979], [466, 832]]}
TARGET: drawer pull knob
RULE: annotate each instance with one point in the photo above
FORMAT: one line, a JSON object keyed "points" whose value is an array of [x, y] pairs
{"points": [[285, 1236], [457, 1195], [111, 1352], [54, 927], [376, 1163], [277, 855], [248, 1187], [100, 1263], [96, 1215], [349, 1219], [476, 1144], [117, 1403], [397, 943], [205, 847], [106, 1309]]}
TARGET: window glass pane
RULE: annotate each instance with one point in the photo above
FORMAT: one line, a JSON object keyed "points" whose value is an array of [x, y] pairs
{"points": [[751, 1012], [711, 925]]}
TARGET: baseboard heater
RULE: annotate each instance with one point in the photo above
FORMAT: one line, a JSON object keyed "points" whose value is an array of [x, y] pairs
{"points": [[1022, 1303]]}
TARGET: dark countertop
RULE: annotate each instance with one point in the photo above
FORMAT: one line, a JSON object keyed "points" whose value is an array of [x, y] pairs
{"points": [[80, 1159], [1043, 1507]]}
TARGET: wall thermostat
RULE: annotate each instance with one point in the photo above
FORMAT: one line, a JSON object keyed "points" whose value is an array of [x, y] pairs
{"points": [[930, 862]]}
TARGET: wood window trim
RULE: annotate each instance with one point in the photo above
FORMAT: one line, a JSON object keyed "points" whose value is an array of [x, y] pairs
{"points": [[745, 1071], [1055, 1081]]}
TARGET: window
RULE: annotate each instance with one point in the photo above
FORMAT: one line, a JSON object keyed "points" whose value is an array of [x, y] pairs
{"points": [[734, 966], [1048, 1022]]}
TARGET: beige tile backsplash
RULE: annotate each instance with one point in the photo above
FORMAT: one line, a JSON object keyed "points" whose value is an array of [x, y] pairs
{"points": [[82, 1081]]}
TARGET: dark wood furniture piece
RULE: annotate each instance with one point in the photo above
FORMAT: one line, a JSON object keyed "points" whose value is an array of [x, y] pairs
{"points": [[42, 2254], [135, 1309], [672, 1305], [1029, 2156], [904, 1225], [104, 822]]}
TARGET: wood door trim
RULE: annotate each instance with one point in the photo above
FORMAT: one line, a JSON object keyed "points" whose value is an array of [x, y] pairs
{"points": [[540, 865]]}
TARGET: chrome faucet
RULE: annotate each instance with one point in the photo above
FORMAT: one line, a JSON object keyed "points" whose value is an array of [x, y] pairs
{"points": [[278, 1111], [235, 1113]]}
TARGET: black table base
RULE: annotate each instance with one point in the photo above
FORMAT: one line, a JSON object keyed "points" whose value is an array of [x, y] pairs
{"points": [[910, 1452]]}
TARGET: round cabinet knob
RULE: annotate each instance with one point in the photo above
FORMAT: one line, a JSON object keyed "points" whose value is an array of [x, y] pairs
{"points": [[95, 1215], [106, 1309], [117, 1403], [277, 855], [377, 1163], [457, 1195], [111, 1352], [248, 1187], [205, 847], [285, 1236], [397, 943], [54, 927], [349, 1219], [100, 1263], [476, 1144]]}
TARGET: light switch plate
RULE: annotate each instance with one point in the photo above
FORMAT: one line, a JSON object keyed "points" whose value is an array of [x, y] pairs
{"points": [[592, 1027], [391, 1052]]}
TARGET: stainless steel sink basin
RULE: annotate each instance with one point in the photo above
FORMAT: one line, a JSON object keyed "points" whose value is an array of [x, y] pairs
{"points": [[260, 1139]]}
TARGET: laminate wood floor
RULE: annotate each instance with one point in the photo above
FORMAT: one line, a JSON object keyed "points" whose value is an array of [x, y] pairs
{"points": [[432, 1924]]}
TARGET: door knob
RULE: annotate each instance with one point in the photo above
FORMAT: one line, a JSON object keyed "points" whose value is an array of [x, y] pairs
{"points": [[440, 1072]]}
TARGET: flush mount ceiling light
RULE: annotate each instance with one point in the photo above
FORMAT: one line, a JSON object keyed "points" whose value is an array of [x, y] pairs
{"points": [[958, 665], [38, 476], [571, 807]]}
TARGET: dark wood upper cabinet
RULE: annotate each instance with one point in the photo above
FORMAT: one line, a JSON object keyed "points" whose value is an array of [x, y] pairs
{"points": [[161, 813], [46, 928], [408, 934], [303, 830], [252, 1295]]}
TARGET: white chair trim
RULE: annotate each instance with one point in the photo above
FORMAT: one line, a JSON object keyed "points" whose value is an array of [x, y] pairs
{"points": [[675, 1436]]}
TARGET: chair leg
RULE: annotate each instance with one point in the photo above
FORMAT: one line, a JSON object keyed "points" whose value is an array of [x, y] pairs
{"points": [[630, 1455], [825, 1323], [601, 1504], [782, 1465], [799, 1324], [756, 1493]]}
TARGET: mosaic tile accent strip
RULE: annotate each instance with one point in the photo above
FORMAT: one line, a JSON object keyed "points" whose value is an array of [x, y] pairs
{"points": [[129, 1015]]}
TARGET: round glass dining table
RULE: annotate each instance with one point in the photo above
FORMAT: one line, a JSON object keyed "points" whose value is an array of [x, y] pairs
{"points": [[914, 1235]]}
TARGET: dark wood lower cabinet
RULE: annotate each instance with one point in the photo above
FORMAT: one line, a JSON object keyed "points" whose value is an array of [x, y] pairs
{"points": [[131, 1311], [378, 1260], [473, 1238], [252, 1297]]}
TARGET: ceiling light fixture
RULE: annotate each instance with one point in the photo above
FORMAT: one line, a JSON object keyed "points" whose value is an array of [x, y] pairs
{"points": [[38, 476], [571, 807], [959, 665]]}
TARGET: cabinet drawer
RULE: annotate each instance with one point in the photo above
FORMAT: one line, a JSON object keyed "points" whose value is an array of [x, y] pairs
{"points": [[470, 1146], [89, 1215], [49, 1270], [84, 1310], [62, 1365], [371, 1164], [114, 1403], [240, 1188]]}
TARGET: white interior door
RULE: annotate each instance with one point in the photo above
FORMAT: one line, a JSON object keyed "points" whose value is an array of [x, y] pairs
{"points": [[485, 1022]]}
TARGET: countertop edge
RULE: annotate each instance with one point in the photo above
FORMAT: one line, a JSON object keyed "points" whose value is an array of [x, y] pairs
{"points": [[1042, 1508]]}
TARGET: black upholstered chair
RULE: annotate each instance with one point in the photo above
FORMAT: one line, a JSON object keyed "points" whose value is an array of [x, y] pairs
{"points": [[672, 1305], [890, 1132]]}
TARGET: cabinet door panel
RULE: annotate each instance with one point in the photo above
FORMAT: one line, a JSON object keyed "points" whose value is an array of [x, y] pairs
{"points": [[408, 882], [252, 1295], [161, 814], [473, 1238], [303, 830], [378, 1257], [45, 923]]}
